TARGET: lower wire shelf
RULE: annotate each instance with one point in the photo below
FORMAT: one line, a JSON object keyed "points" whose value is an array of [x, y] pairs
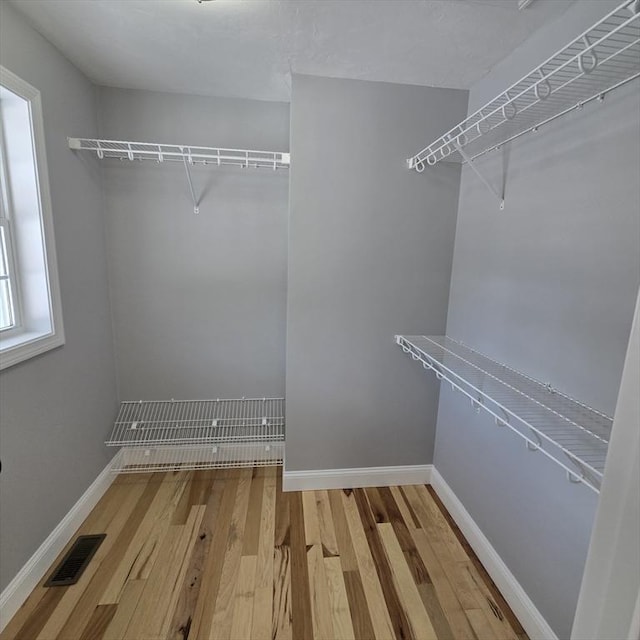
{"points": [[198, 434], [568, 432]]}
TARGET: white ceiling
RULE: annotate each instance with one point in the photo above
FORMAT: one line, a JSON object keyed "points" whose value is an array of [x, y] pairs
{"points": [[247, 48]]}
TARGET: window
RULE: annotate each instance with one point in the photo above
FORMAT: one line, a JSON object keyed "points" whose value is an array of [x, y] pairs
{"points": [[30, 310]]}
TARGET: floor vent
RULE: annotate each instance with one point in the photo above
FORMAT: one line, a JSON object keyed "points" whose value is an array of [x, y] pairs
{"points": [[75, 562]]}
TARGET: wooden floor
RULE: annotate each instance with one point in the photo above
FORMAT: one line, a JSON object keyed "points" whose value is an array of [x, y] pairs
{"points": [[226, 554]]}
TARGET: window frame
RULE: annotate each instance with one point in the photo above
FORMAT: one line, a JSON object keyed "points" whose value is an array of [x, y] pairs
{"points": [[24, 340]]}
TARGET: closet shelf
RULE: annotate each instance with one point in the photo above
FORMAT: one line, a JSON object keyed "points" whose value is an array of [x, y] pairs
{"points": [[603, 58], [159, 152], [569, 433], [198, 434], [186, 154]]}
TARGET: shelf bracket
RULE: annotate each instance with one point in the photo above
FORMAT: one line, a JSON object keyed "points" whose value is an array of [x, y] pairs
{"points": [[475, 169], [196, 202]]}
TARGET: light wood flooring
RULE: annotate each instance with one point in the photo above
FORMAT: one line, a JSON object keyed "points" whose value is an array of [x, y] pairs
{"points": [[227, 555]]}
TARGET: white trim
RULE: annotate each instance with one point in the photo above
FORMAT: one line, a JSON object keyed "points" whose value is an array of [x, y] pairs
{"points": [[26, 580], [534, 624], [31, 346], [610, 590], [352, 478]]}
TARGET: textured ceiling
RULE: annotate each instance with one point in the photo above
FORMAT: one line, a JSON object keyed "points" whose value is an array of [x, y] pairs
{"points": [[247, 48]]}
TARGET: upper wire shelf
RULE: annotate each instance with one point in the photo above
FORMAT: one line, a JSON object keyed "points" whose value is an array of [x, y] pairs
{"points": [[186, 154], [198, 422], [568, 432], [601, 59], [159, 152]]}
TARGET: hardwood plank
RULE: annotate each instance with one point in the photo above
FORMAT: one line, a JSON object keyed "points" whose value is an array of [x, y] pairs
{"points": [[319, 595], [448, 550], [254, 513], [311, 523], [428, 594], [282, 614], [184, 552], [223, 612], [358, 607], [124, 610], [446, 596], [220, 521], [421, 626], [502, 630], [98, 622], [241, 623], [146, 557], [146, 607], [435, 612], [479, 623], [407, 513], [348, 558], [442, 550], [439, 522], [376, 505], [266, 540], [300, 599], [327, 528], [283, 515], [153, 613], [33, 625], [183, 506], [397, 521], [338, 601], [380, 617], [399, 619], [167, 496], [186, 605], [264, 591]]}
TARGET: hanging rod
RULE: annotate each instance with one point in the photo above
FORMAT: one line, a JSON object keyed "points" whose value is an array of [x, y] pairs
{"points": [[603, 58], [569, 433], [188, 155]]}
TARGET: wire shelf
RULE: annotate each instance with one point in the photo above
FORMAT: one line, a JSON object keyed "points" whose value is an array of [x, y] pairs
{"points": [[159, 152], [188, 457], [173, 422], [159, 435], [601, 59], [568, 432]]}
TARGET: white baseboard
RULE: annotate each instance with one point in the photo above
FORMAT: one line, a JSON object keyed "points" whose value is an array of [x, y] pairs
{"points": [[531, 619], [26, 580], [353, 478]]}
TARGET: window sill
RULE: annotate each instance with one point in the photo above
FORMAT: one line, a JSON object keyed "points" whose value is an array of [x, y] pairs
{"points": [[25, 345]]}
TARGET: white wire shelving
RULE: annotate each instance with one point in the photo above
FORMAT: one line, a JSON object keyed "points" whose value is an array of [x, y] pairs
{"points": [[198, 434], [568, 432], [187, 155], [604, 57]]}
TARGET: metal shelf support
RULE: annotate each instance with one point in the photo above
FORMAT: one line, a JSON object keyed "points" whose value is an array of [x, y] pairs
{"points": [[196, 202], [484, 180]]}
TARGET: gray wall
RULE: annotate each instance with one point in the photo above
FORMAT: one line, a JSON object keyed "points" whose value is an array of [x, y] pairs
{"points": [[57, 407], [370, 248], [199, 301], [548, 286]]}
